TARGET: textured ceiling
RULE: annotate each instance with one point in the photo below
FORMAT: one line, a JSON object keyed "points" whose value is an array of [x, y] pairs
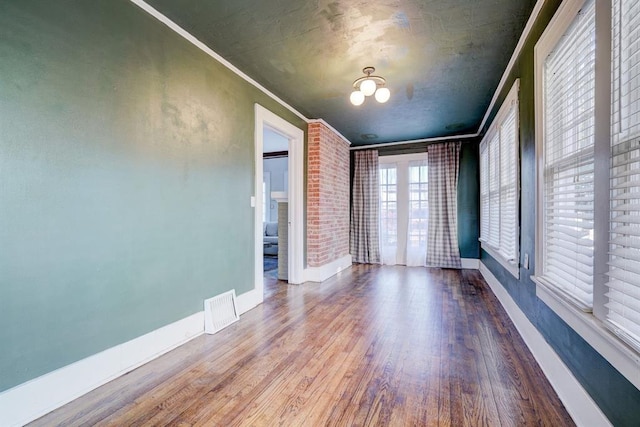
{"points": [[442, 59]]}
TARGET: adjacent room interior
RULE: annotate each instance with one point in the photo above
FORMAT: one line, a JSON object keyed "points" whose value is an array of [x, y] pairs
{"points": [[274, 199]]}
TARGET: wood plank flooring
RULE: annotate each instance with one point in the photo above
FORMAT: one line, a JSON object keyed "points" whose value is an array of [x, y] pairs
{"points": [[389, 346]]}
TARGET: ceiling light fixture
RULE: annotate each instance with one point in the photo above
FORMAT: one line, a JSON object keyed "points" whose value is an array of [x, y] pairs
{"points": [[369, 85]]}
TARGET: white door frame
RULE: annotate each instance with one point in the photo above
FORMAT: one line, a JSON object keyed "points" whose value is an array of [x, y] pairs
{"points": [[265, 118]]}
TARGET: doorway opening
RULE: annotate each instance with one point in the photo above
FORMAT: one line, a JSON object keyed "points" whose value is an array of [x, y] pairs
{"points": [[275, 188], [272, 131]]}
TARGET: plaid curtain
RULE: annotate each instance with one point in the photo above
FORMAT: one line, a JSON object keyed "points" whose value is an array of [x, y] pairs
{"points": [[364, 244], [442, 245]]}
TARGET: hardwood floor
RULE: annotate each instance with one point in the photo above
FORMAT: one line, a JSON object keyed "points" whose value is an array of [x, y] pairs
{"points": [[390, 346]]}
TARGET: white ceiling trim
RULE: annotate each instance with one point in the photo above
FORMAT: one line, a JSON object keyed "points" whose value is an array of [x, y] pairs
{"points": [[189, 37], [332, 128], [416, 141]]}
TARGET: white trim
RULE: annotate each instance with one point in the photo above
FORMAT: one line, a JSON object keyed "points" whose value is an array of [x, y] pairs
{"points": [[320, 274], [576, 400], [406, 158], [622, 357], [266, 180], [33, 399], [248, 300], [513, 268], [258, 248], [331, 128], [470, 263], [416, 141], [200, 45], [265, 118], [512, 97]]}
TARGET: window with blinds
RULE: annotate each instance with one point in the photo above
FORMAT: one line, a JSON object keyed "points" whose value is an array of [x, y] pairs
{"points": [[493, 238], [623, 293], [484, 191], [588, 163], [508, 184], [569, 90], [499, 184]]}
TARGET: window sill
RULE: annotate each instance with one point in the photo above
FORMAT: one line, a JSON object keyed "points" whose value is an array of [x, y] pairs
{"points": [[622, 357], [511, 267]]}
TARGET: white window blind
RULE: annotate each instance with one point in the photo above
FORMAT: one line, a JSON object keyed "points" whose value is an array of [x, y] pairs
{"points": [[484, 190], [623, 306], [508, 183], [493, 239], [499, 184], [568, 91]]}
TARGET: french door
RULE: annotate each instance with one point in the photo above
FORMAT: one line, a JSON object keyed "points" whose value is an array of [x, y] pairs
{"points": [[404, 212]]}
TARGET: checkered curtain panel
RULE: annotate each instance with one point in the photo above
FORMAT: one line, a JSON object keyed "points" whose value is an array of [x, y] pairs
{"points": [[442, 244], [365, 247]]}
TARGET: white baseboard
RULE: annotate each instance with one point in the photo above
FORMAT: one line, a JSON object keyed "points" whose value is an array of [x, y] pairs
{"points": [[470, 263], [320, 274], [35, 398], [248, 300], [579, 404]]}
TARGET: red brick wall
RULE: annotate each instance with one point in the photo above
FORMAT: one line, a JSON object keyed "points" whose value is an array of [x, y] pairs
{"points": [[327, 196]]}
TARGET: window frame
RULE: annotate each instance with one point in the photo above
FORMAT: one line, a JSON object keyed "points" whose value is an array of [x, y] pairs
{"points": [[422, 200], [493, 136], [568, 155], [266, 196], [384, 204], [588, 324]]}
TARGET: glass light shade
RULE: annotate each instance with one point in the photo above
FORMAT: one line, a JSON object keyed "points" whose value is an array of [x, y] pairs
{"points": [[357, 97], [368, 87], [382, 95]]}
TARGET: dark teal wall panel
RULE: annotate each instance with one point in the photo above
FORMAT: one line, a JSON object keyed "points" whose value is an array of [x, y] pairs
{"points": [[469, 201], [126, 169], [615, 395]]}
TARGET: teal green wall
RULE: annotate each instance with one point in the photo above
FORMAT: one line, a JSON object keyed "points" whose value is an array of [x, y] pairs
{"points": [[618, 399], [126, 170]]}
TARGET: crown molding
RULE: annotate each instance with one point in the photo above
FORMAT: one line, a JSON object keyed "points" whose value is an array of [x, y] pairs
{"points": [[203, 47], [331, 128], [416, 141]]}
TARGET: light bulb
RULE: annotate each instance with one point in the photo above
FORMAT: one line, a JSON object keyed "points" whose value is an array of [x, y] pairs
{"points": [[382, 95], [357, 97], [368, 87]]}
